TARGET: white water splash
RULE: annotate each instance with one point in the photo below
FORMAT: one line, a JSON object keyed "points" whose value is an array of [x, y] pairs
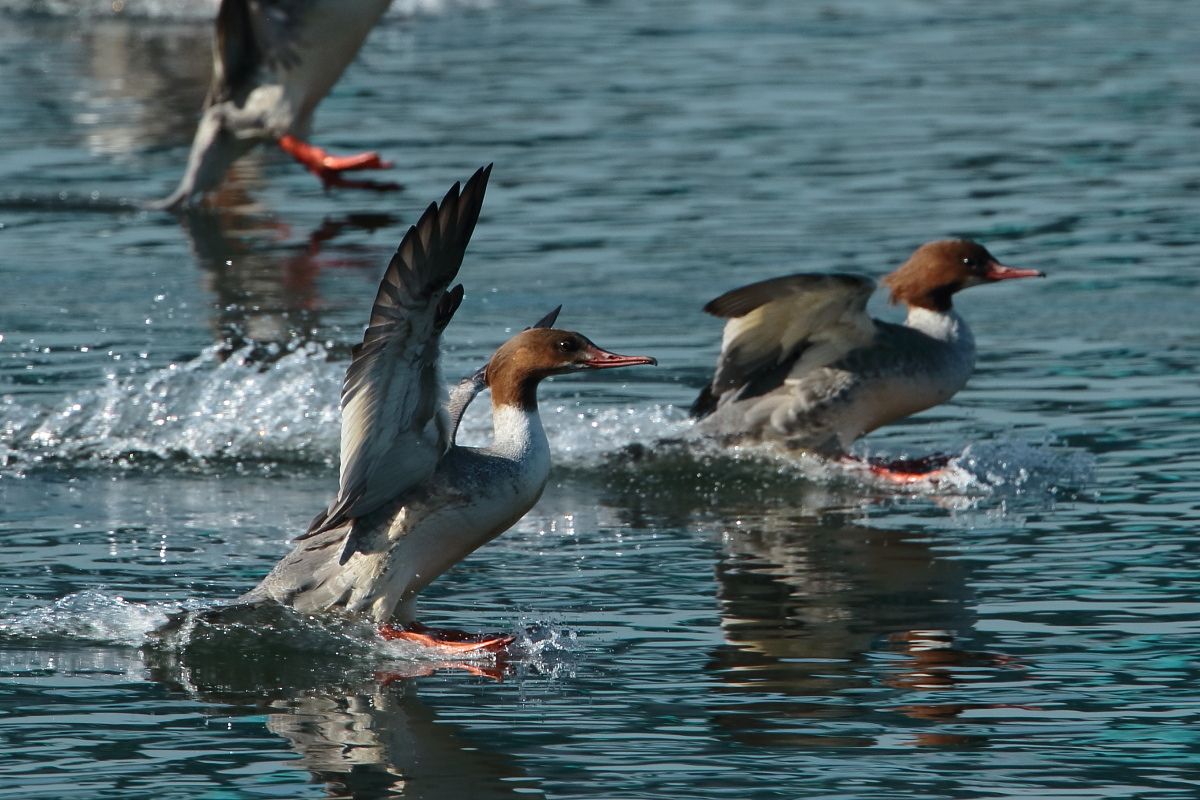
{"points": [[1004, 467], [91, 616], [240, 409], [995, 468], [286, 411], [96, 617], [538, 637], [205, 409]]}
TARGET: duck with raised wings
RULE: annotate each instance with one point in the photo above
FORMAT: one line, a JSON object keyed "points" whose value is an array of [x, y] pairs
{"points": [[803, 364], [411, 503], [273, 62]]}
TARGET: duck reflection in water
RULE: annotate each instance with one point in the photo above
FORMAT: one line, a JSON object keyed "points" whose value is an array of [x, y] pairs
{"points": [[265, 291], [827, 622], [144, 79], [828, 612], [354, 717]]}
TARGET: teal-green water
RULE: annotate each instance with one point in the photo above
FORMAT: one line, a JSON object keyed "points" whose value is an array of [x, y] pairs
{"points": [[691, 625]]}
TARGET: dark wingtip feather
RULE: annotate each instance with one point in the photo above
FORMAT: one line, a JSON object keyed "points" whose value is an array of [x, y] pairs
{"points": [[449, 304], [546, 321], [316, 523], [741, 301], [704, 404], [431, 252], [472, 199], [744, 299]]}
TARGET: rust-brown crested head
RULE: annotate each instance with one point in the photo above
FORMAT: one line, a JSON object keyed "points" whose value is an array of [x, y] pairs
{"points": [[938, 269], [524, 360]]}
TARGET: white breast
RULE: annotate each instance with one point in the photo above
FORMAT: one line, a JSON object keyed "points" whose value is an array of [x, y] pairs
{"points": [[476, 495]]}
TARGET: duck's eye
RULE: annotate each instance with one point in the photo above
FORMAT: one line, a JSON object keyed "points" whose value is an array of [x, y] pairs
{"points": [[568, 345], [969, 261]]}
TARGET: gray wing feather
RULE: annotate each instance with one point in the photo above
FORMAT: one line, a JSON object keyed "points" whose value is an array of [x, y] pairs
{"points": [[252, 34], [394, 425], [783, 328]]}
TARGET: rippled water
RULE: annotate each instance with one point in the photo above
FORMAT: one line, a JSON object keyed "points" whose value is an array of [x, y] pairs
{"points": [[690, 624]]}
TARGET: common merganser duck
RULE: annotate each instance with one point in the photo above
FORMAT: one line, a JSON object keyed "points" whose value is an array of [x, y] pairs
{"points": [[411, 503], [804, 365], [273, 62]]}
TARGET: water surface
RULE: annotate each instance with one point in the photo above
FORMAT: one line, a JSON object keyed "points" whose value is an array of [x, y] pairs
{"points": [[692, 625]]}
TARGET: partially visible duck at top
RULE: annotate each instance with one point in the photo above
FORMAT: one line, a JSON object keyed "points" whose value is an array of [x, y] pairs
{"points": [[273, 62], [411, 502], [803, 364]]}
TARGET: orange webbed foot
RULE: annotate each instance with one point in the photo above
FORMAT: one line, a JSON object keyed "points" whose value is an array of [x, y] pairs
{"points": [[330, 168], [447, 640], [904, 470]]}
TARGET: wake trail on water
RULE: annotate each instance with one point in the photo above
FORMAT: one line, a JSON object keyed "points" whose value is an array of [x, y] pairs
{"points": [[998, 467], [218, 409], [240, 408], [995, 468]]}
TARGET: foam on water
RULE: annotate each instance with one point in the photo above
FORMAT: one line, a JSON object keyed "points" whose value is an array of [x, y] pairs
{"points": [[91, 616], [209, 408]]}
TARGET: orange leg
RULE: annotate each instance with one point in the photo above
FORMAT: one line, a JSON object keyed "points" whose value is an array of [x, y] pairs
{"points": [[447, 640], [330, 168], [905, 470]]}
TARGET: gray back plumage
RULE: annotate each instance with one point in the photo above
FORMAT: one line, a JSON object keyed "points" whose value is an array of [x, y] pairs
{"points": [[781, 328]]}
